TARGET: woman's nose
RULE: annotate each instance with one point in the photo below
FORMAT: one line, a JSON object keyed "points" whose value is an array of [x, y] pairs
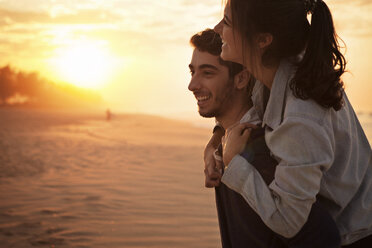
{"points": [[218, 28]]}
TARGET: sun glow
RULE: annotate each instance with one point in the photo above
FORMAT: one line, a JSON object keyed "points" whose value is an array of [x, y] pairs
{"points": [[84, 64]]}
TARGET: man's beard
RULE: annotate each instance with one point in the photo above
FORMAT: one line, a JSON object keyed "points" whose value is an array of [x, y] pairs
{"points": [[223, 103], [209, 114]]}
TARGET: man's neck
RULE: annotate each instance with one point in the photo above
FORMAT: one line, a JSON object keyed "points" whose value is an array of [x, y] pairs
{"points": [[234, 115]]}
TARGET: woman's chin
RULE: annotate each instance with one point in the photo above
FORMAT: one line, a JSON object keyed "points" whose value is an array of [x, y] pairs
{"points": [[227, 57]]}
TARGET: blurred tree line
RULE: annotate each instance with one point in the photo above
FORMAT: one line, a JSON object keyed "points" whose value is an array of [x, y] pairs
{"points": [[29, 89]]}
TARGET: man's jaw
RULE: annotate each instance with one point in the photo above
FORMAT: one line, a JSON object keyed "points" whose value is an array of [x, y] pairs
{"points": [[203, 99]]}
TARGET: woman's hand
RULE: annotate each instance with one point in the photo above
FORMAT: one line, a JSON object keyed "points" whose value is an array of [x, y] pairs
{"points": [[235, 139]]}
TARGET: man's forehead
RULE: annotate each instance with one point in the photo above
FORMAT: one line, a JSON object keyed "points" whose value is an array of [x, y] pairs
{"points": [[200, 58]]}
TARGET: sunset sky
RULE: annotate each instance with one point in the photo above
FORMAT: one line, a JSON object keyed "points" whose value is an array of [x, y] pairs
{"points": [[136, 52]]}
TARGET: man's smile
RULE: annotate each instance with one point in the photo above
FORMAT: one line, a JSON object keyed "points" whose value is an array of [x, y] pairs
{"points": [[202, 98]]}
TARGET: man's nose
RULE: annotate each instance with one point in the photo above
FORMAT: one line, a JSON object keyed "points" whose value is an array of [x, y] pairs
{"points": [[194, 84]]}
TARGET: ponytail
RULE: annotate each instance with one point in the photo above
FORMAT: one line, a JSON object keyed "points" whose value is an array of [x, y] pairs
{"points": [[318, 74]]}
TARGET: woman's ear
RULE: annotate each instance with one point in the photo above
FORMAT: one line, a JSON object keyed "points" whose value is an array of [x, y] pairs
{"points": [[241, 80], [264, 40]]}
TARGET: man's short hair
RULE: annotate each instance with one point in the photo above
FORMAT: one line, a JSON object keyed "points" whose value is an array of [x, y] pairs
{"points": [[211, 42]]}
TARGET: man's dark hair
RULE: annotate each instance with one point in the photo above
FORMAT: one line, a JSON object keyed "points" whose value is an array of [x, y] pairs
{"points": [[211, 42]]}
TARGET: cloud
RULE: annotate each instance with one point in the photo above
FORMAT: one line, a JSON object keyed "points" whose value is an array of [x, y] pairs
{"points": [[9, 17], [352, 18], [141, 22], [354, 2], [162, 18]]}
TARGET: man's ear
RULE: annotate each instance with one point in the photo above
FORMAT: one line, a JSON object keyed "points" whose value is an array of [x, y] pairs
{"points": [[241, 80], [264, 40]]}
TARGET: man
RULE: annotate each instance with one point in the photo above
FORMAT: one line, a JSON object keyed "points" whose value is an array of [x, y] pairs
{"points": [[212, 85], [222, 90]]}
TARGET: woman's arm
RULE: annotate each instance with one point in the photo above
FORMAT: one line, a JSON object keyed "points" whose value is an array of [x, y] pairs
{"points": [[304, 151]]}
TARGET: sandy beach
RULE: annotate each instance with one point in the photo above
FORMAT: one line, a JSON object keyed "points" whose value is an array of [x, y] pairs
{"points": [[77, 180]]}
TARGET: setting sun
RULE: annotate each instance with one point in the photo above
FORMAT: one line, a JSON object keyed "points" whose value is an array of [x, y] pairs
{"points": [[84, 64]]}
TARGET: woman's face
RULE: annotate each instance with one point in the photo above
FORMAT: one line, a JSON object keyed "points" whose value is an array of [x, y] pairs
{"points": [[232, 41]]}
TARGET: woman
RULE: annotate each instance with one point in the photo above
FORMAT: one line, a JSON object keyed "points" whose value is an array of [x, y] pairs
{"points": [[310, 127]]}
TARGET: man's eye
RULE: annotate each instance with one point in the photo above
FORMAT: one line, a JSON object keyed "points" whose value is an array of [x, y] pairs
{"points": [[208, 73], [192, 73]]}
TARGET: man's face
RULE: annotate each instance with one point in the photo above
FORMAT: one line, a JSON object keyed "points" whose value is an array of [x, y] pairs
{"points": [[210, 84]]}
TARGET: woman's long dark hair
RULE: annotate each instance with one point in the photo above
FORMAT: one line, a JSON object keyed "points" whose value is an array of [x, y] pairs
{"points": [[318, 75]]}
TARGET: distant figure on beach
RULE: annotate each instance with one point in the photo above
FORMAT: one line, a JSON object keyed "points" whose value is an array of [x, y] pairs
{"points": [[310, 126], [108, 115], [222, 90]]}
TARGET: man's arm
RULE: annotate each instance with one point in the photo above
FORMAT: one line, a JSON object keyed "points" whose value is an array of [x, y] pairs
{"points": [[212, 168]]}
